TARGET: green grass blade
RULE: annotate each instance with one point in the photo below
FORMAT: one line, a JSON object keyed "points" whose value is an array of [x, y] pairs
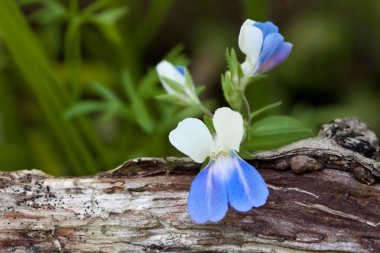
{"points": [[45, 86]]}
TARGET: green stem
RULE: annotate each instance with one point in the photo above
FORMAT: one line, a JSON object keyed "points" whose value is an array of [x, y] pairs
{"points": [[45, 85], [246, 108], [264, 109], [72, 50], [204, 109]]}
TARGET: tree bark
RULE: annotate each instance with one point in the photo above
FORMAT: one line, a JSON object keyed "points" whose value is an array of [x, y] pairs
{"points": [[141, 205]]}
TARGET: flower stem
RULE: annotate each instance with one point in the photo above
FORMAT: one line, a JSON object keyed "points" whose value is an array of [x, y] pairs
{"points": [[246, 109], [204, 109]]}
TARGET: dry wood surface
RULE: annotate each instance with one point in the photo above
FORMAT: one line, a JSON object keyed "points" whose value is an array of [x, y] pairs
{"points": [[324, 197]]}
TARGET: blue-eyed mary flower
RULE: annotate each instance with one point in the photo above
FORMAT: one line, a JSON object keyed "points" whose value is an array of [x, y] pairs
{"points": [[227, 179], [174, 82], [263, 46]]}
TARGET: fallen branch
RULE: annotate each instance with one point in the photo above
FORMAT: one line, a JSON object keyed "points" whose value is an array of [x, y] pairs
{"points": [[141, 205]]}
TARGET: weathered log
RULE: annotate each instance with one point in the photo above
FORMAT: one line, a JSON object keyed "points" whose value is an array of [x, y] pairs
{"points": [[141, 205]]}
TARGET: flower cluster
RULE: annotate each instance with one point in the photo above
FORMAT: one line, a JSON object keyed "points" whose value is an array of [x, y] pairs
{"points": [[227, 179]]}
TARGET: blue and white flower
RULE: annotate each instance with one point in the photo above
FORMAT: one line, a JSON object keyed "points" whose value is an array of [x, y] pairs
{"points": [[263, 46], [227, 179], [187, 92]]}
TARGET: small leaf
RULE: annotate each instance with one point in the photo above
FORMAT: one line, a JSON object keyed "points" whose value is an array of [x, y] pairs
{"points": [[230, 93], [176, 56], [189, 81], [230, 62], [141, 113], [245, 154], [275, 131], [148, 84], [111, 33], [106, 22], [111, 112], [170, 98], [257, 78], [85, 107], [233, 58], [110, 16], [233, 64], [104, 92], [264, 109], [52, 12]]}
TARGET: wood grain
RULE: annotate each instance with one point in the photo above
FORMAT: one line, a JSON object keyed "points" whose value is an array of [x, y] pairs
{"points": [[141, 207]]}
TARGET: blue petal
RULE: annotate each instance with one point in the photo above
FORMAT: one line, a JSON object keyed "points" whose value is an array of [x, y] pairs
{"points": [[270, 45], [180, 69], [208, 197], [266, 27], [245, 186], [277, 57]]}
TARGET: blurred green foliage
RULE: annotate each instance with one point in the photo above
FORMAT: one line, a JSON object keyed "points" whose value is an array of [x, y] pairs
{"points": [[78, 84]]}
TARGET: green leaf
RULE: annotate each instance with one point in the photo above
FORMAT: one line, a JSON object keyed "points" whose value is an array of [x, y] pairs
{"points": [[170, 98], [229, 62], [110, 32], [53, 11], [257, 78], [95, 7], [111, 111], [142, 116], [106, 22], [275, 131], [85, 107], [106, 93], [264, 109], [230, 93], [189, 81], [147, 86], [110, 16], [233, 63], [245, 154], [176, 56]]}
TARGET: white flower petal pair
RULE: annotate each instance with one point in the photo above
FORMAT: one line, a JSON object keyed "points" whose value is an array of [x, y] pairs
{"points": [[193, 138], [227, 179]]}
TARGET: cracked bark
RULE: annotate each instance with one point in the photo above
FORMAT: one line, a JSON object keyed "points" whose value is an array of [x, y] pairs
{"points": [[324, 197]]}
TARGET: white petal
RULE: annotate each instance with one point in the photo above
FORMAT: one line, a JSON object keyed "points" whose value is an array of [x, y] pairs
{"points": [[250, 42], [166, 69], [246, 23], [247, 68], [229, 128], [192, 138]]}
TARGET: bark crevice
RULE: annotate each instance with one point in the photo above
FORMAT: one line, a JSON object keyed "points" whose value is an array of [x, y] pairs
{"points": [[324, 196]]}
